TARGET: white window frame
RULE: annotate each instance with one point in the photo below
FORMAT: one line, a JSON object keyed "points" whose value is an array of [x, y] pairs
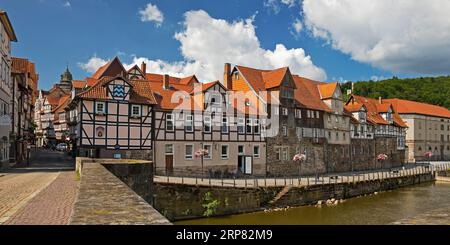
{"points": [[243, 150], [256, 155], [298, 113], [284, 111], [132, 110], [285, 153], [284, 130], [256, 126], [191, 156], [248, 125], [207, 122], [226, 156], [189, 118], [241, 125], [103, 111], [224, 125], [165, 149], [209, 156], [317, 114], [170, 120]]}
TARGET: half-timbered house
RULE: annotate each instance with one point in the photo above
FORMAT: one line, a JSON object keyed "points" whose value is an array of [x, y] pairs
{"points": [[113, 118], [190, 116]]}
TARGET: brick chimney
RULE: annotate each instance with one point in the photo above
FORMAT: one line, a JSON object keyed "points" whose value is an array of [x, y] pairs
{"points": [[166, 81], [143, 67], [227, 76]]}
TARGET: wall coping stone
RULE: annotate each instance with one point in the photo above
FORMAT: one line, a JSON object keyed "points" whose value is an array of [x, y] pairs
{"points": [[105, 199]]}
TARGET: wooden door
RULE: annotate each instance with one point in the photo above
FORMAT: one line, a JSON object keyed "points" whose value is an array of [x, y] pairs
{"points": [[169, 164]]}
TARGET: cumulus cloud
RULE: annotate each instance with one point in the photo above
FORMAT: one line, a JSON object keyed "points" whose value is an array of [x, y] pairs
{"points": [[151, 13], [92, 64], [207, 43], [398, 36]]}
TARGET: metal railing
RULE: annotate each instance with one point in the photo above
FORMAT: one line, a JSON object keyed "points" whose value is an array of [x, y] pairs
{"points": [[246, 181]]}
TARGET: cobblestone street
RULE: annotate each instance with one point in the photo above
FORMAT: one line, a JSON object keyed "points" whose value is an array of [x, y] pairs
{"points": [[41, 193]]}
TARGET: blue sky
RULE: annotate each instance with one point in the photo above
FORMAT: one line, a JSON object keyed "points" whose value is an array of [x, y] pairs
{"points": [[52, 34]]}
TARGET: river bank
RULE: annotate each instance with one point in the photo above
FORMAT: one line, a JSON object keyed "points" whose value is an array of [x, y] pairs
{"points": [[384, 208], [178, 201]]}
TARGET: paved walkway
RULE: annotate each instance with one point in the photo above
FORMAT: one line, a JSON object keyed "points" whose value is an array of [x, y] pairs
{"points": [[41, 193], [348, 177]]}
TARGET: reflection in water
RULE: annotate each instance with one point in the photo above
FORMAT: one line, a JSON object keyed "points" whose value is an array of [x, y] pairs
{"points": [[384, 208]]}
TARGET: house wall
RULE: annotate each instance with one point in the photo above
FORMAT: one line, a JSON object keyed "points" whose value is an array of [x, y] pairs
{"points": [[426, 133]]}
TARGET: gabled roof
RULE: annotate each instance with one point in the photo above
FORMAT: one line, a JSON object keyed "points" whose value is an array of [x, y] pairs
{"points": [[307, 94], [79, 84], [62, 103], [172, 80], [141, 92], [113, 68], [8, 26], [413, 107], [261, 80], [374, 108], [327, 90]]}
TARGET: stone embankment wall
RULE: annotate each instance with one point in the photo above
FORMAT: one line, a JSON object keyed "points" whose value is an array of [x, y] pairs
{"points": [[181, 201], [104, 198]]}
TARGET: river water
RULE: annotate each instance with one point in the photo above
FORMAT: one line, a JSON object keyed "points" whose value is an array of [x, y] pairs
{"points": [[383, 208]]}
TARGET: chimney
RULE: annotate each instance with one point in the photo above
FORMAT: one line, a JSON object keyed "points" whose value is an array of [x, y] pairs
{"points": [[143, 67], [380, 100], [166, 81], [227, 76]]}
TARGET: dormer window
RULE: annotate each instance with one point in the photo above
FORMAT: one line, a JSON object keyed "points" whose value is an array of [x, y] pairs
{"points": [[100, 107], [362, 116]]}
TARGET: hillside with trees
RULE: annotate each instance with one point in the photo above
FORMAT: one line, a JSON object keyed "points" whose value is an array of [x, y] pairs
{"points": [[432, 90]]}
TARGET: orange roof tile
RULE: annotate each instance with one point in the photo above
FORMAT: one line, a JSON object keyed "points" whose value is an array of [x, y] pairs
{"points": [[62, 103], [307, 94], [141, 91], [327, 90], [413, 107], [78, 84], [100, 70], [261, 80]]}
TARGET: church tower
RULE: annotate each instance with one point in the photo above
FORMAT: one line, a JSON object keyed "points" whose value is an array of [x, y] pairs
{"points": [[65, 83]]}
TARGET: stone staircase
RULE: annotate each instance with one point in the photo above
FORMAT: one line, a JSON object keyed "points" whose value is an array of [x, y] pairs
{"points": [[280, 194]]}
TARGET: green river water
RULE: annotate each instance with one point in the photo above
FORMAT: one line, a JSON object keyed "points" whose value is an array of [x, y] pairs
{"points": [[383, 208]]}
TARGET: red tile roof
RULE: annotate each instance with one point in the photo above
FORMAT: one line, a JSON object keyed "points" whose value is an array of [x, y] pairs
{"points": [[78, 84], [261, 80], [307, 94], [141, 92], [327, 90], [374, 108], [413, 107]]}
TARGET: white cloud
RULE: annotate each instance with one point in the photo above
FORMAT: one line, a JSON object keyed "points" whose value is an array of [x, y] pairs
{"points": [[67, 4], [377, 78], [398, 36], [151, 13], [275, 6], [297, 27], [92, 64], [272, 5], [207, 43], [290, 3]]}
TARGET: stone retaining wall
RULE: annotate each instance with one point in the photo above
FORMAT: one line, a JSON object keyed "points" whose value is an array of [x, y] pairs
{"points": [[178, 201]]}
